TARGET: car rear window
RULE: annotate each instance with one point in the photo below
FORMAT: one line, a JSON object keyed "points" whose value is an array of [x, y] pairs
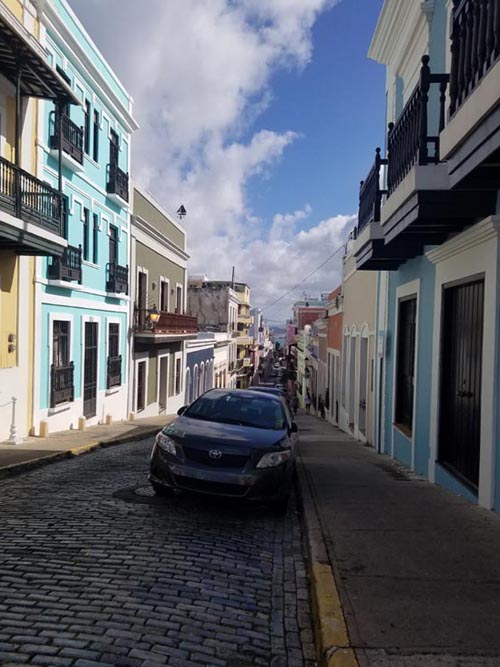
{"points": [[259, 412]]}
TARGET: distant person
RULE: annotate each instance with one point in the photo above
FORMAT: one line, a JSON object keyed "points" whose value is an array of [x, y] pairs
{"points": [[308, 402], [295, 404], [321, 407]]}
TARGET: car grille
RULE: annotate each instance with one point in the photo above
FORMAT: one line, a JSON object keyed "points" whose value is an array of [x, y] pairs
{"points": [[205, 486], [225, 461]]}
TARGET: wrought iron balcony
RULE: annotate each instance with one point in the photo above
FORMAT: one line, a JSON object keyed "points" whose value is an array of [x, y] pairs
{"points": [[117, 182], [475, 46], [116, 278], [370, 194], [25, 197], [68, 267], [409, 139], [72, 137], [167, 324], [61, 384], [114, 372]]}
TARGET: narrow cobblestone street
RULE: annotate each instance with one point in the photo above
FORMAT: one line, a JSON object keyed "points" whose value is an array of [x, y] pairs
{"points": [[95, 570]]}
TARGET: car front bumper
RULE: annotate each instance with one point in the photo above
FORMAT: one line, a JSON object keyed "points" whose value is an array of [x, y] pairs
{"points": [[256, 484]]}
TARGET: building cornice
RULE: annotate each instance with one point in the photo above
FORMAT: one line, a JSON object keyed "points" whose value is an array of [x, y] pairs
{"points": [[51, 19], [155, 235], [399, 24], [483, 231]]}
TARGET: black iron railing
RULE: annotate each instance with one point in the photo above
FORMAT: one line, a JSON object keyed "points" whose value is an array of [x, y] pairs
{"points": [[117, 182], [25, 197], [168, 323], [370, 194], [116, 278], [114, 372], [61, 384], [475, 46], [72, 136], [67, 267], [409, 139]]}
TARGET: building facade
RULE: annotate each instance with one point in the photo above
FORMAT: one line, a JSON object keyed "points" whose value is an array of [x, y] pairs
{"points": [[160, 325], [334, 351], [199, 367], [429, 223], [82, 302], [31, 205]]}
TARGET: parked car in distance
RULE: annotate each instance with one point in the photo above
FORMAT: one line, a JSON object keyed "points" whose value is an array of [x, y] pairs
{"points": [[229, 442], [268, 389]]}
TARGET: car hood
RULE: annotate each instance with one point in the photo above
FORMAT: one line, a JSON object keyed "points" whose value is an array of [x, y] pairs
{"points": [[199, 432]]}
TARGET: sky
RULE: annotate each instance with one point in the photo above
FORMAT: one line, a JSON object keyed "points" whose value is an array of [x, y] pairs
{"points": [[259, 116]]}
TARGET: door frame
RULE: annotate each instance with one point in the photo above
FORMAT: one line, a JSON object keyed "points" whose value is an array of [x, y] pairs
{"points": [[471, 254], [143, 360]]}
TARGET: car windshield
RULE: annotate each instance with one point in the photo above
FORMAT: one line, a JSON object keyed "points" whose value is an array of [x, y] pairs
{"points": [[259, 412]]}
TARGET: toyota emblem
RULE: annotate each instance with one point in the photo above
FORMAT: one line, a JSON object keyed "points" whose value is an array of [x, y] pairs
{"points": [[215, 454]]}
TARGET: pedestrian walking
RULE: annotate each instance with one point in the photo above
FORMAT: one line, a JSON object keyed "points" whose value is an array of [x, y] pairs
{"points": [[321, 407], [308, 402], [295, 404]]}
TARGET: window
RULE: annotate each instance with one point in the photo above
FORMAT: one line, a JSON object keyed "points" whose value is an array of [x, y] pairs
{"points": [[178, 300], [60, 343], [177, 376], [67, 80], [114, 378], [95, 239], [114, 340], [96, 137], [86, 128], [113, 148], [405, 380], [164, 288], [86, 234], [113, 245]]}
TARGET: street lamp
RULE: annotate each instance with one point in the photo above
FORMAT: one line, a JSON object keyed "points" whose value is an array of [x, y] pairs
{"points": [[154, 316]]}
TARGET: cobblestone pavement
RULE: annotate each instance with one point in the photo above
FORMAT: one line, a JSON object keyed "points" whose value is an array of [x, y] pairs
{"points": [[96, 571]]}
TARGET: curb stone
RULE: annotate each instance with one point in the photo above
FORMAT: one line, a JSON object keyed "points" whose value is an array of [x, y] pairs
{"points": [[330, 629], [24, 466]]}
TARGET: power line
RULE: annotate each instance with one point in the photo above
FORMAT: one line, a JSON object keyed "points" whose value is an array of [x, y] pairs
{"points": [[305, 279]]}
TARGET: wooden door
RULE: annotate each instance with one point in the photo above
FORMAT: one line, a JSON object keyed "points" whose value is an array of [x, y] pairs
{"points": [[90, 370], [460, 385]]}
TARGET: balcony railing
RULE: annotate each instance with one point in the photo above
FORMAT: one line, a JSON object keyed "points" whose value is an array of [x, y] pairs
{"points": [[168, 323], [68, 267], [370, 194], [475, 46], [114, 372], [117, 278], [72, 137], [61, 384], [25, 197], [409, 140], [117, 182]]}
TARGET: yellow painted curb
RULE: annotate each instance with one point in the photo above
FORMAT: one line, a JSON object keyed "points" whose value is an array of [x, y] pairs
{"points": [[343, 657], [76, 451], [332, 627]]}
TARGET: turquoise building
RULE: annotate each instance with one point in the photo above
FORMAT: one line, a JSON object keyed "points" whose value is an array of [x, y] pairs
{"points": [[82, 298], [429, 224]]}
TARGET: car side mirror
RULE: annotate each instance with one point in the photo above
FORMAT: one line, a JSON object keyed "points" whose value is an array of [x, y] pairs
{"points": [[294, 428], [182, 410]]}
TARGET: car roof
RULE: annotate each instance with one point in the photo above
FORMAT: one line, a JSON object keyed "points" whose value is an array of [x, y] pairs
{"points": [[240, 392]]}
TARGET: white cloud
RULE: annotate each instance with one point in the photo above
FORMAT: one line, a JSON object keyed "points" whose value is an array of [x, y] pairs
{"points": [[199, 72]]}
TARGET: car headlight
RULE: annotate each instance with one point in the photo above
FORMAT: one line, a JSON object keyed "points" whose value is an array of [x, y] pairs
{"points": [[274, 459], [166, 443]]}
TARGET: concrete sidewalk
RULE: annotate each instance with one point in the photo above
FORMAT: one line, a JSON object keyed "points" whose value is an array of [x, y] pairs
{"points": [[33, 452], [417, 568]]}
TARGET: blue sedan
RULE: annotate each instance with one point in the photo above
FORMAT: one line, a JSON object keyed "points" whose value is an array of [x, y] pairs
{"points": [[235, 443]]}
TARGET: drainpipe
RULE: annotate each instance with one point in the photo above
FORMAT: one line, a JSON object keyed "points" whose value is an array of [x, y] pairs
{"points": [[59, 115], [17, 142]]}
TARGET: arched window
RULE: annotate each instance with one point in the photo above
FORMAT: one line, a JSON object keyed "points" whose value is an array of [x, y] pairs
{"points": [[201, 388]]}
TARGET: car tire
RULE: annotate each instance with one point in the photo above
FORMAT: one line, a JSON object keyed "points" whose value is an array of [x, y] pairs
{"points": [[163, 491]]}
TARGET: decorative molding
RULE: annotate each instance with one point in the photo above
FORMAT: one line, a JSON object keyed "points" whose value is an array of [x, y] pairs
{"points": [[483, 231]]}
